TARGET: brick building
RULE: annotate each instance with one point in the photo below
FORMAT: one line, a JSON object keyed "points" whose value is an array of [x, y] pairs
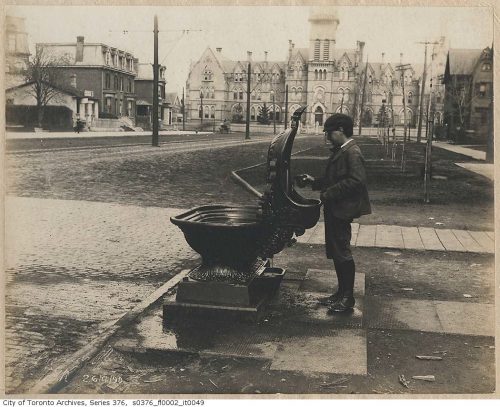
{"points": [[468, 81], [104, 72]]}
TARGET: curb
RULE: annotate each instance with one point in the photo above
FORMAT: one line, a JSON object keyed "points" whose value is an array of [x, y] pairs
{"points": [[61, 375]]}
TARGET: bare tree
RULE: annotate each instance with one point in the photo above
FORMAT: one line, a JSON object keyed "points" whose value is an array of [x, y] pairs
{"points": [[46, 80]]}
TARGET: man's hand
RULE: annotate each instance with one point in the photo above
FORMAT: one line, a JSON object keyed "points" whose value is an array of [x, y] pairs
{"points": [[303, 180]]}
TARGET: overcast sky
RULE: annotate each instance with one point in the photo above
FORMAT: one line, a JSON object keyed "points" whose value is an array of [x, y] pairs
{"points": [[237, 29]]}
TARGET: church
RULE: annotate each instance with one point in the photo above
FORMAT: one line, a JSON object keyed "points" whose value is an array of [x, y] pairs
{"points": [[325, 78]]}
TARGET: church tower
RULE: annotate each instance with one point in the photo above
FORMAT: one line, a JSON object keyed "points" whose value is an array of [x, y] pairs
{"points": [[323, 23]]}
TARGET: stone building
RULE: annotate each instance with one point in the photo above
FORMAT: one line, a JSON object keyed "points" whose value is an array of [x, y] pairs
{"points": [[468, 80], [325, 78], [17, 51]]}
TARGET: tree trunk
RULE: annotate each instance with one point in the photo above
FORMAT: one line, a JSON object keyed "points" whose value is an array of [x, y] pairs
{"points": [[40, 116]]}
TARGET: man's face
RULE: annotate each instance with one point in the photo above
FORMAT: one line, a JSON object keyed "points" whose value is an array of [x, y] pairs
{"points": [[336, 137]]}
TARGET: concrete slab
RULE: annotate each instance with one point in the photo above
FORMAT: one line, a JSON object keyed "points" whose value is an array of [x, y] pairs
{"points": [[355, 227], [232, 340], [467, 241], [313, 313], [484, 241], [318, 237], [430, 239], [466, 318], [449, 240], [366, 236], [486, 170], [411, 238], [389, 236], [398, 313], [325, 281], [448, 317], [341, 352], [470, 152]]}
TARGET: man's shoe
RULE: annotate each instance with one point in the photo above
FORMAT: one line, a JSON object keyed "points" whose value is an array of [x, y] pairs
{"points": [[344, 305], [330, 300]]}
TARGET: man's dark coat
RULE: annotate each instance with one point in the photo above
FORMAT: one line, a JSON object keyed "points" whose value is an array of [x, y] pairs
{"points": [[343, 186]]}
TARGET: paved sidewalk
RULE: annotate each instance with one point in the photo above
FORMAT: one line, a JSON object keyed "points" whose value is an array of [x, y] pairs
{"points": [[416, 238], [299, 348], [477, 155]]}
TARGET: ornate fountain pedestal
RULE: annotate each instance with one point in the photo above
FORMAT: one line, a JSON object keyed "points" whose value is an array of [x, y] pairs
{"points": [[235, 278], [222, 299]]}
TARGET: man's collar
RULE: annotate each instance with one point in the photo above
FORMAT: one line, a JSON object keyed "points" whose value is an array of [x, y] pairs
{"points": [[348, 141]]}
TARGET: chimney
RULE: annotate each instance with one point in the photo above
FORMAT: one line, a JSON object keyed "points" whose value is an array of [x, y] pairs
{"points": [[383, 56], [289, 49], [293, 45], [265, 56], [400, 58], [249, 56], [72, 81], [79, 49], [219, 50]]}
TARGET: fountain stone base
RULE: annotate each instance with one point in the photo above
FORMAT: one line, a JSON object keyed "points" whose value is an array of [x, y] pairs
{"points": [[242, 300]]}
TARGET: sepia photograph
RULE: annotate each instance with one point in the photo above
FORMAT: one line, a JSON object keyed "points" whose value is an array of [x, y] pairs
{"points": [[249, 199]]}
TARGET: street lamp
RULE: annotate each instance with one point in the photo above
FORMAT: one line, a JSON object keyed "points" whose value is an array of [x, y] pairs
{"points": [[274, 112]]}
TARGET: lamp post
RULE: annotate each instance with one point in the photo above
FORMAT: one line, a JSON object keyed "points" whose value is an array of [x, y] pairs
{"points": [[201, 107], [274, 112]]}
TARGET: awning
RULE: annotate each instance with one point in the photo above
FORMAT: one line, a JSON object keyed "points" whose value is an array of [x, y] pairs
{"points": [[141, 102]]}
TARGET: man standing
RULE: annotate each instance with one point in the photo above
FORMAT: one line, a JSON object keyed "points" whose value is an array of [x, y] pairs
{"points": [[345, 197]]}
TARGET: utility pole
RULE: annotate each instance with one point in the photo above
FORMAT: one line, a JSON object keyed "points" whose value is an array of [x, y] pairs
{"points": [[402, 69], [363, 99], [183, 112], [274, 113], [247, 127], [424, 77], [155, 84], [286, 107], [428, 149]]}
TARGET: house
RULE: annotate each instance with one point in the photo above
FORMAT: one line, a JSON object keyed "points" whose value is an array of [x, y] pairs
{"points": [[104, 71], [144, 93], [174, 108], [468, 81], [66, 105]]}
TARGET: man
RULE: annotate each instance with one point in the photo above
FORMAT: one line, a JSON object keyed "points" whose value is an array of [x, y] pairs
{"points": [[345, 197]]}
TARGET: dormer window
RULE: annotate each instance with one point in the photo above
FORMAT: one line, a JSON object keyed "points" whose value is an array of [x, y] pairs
{"points": [[486, 67]]}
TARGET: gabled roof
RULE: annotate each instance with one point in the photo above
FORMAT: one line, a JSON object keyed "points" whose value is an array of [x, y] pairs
{"points": [[171, 97], [303, 52], [463, 61]]}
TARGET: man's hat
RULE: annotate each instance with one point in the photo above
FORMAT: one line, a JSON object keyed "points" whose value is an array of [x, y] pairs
{"points": [[337, 121]]}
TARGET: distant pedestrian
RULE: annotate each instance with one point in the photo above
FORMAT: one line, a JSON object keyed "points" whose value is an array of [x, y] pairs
{"points": [[345, 197]]}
